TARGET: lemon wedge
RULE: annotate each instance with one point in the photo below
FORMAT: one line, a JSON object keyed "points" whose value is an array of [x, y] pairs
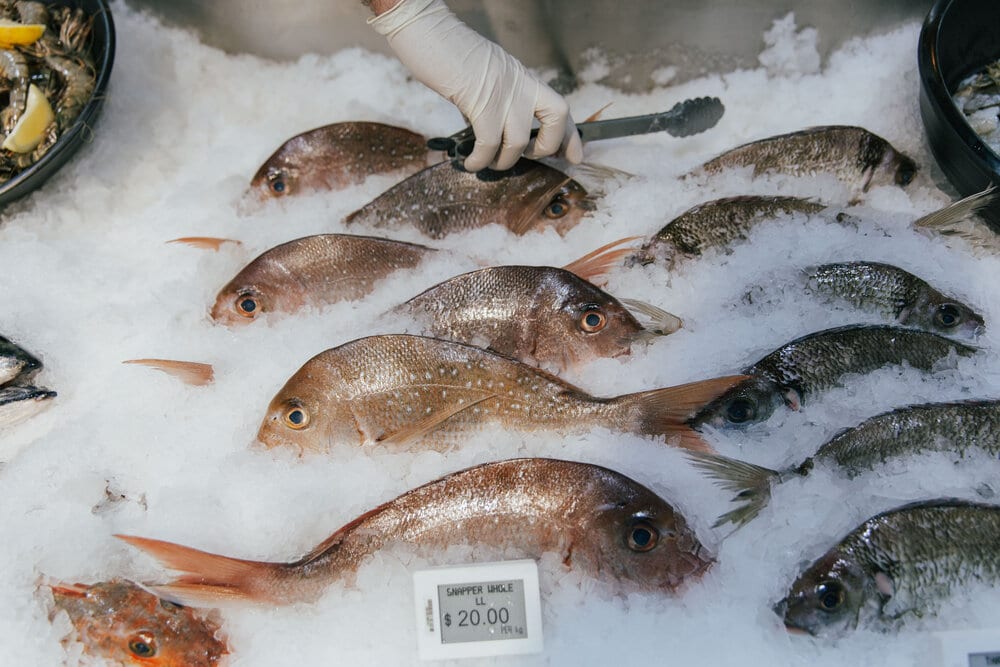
{"points": [[30, 128], [13, 33]]}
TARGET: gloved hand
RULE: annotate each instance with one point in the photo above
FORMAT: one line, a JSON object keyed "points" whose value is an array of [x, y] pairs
{"points": [[491, 88]]}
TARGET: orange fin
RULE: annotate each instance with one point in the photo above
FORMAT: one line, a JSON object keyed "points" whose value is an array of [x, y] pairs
{"points": [[595, 264], [666, 411], [597, 114], [428, 423], [191, 372], [69, 590], [204, 242], [208, 578]]}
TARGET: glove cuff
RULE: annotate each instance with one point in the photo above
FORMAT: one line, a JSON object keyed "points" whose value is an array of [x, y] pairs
{"points": [[404, 13]]}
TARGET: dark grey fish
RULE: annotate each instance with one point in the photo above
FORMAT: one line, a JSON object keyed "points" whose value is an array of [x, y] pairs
{"points": [[817, 362], [857, 157], [957, 428], [897, 565], [17, 403], [718, 224], [895, 293], [16, 363]]}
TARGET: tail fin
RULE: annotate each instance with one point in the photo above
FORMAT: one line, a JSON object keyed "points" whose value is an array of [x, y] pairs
{"points": [[751, 483], [955, 220], [189, 372], [594, 265], [666, 411], [210, 579]]}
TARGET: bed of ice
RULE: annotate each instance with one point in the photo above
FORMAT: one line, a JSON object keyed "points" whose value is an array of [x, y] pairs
{"points": [[89, 281]]}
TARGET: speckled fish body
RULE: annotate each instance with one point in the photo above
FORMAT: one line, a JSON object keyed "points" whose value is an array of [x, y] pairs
{"points": [[536, 314], [818, 361], [718, 224], [857, 157], [897, 565], [444, 199], [401, 390], [16, 363], [124, 624], [598, 521], [336, 156], [313, 271], [897, 294]]}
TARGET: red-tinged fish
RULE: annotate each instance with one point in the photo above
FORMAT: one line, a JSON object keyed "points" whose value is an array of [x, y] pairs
{"points": [[857, 157], [401, 390], [336, 156], [444, 199], [312, 271], [124, 624], [600, 523]]}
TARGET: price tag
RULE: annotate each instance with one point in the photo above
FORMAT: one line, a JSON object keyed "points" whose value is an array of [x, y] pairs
{"points": [[478, 610], [970, 648]]}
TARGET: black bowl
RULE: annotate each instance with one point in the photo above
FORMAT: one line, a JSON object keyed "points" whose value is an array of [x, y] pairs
{"points": [[82, 131], [958, 38]]}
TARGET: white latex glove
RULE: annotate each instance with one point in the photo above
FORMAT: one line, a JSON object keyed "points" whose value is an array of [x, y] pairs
{"points": [[491, 88]]}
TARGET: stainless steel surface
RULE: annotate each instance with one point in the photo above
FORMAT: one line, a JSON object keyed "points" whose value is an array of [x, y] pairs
{"points": [[637, 38]]}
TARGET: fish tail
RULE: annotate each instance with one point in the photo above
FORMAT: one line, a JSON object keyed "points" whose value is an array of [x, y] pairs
{"points": [[210, 579], [751, 483], [949, 220], [594, 265], [666, 411]]}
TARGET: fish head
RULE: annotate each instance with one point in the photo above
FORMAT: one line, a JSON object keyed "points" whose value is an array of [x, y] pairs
{"points": [[16, 362], [291, 421], [884, 165], [828, 597], [240, 303], [125, 624], [18, 403], [274, 180], [565, 206], [945, 317], [751, 401], [549, 197]]}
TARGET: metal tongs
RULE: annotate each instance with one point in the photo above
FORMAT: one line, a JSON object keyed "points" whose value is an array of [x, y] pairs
{"points": [[684, 119]]}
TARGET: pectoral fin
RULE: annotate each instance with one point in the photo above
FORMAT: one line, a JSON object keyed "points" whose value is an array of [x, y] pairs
{"points": [[429, 422]]}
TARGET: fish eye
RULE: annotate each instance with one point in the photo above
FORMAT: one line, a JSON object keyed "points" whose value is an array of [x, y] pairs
{"points": [[904, 175], [642, 536], [593, 320], [556, 209], [741, 410], [277, 183], [246, 305], [830, 595], [296, 418], [142, 645], [948, 315]]}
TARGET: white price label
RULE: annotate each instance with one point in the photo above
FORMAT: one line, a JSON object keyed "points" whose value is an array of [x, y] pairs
{"points": [[970, 648], [478, 610]]}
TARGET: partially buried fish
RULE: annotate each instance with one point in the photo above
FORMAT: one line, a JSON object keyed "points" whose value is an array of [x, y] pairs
{"points": [[19, 402], [817, 362], [954, 428], [858, 158], [16, 363], [314, 271], [896, 566], [896, 293], [537, 314], [403, 390], [336, 156], [119, 622], [444, 199], [598, 521]]}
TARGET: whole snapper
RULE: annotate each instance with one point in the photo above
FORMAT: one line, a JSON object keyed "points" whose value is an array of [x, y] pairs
{"points": [[598, 521], [402, 390], [536, 314], [896, 566], [858, 158], [333, 157], [312, 271], [894, 293], [445, 198], [955, 428], [817, 362], [124, 624]]}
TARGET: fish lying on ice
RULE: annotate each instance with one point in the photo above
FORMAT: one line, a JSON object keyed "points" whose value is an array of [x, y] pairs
{"points": [[124, 624], [333, 157], [955, 428], [896, 566], [19, 402], [817, 362], [16, 363], [402, 390], [858, 158], [600, 522], [444, 199], [894, 293]]}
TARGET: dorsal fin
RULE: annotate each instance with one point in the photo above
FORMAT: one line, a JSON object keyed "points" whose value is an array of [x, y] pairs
{"points": [[592, 266]]}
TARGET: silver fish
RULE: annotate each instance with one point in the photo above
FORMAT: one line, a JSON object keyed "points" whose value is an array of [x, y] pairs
{"points": [[16, 363], [18, 403]]}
